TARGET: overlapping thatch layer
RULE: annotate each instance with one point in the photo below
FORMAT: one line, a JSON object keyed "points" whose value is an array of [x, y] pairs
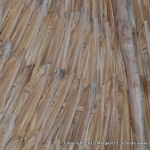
{"points": [[62, 74]]}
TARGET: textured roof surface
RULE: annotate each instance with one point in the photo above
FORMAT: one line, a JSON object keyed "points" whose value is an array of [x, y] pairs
{"points": [[62, 75]]}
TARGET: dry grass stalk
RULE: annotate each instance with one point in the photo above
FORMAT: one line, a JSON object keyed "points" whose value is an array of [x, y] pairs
{"points": [[1, 14], [134, 85]]}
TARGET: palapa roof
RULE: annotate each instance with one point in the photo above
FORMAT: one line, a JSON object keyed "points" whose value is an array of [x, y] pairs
{"points": [[62, 74]]}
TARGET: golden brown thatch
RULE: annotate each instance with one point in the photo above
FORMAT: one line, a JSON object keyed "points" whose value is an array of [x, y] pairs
{"points": [[64, 74]]}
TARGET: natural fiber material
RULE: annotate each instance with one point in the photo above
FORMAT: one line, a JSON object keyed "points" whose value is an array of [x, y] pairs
{"points": [[64, 76]]}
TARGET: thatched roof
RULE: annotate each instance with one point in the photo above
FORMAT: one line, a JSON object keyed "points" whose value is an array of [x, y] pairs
{"points": [[63, 76]]}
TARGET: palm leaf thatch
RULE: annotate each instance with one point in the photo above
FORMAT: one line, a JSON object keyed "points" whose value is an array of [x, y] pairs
{"points": [[74, 73]]}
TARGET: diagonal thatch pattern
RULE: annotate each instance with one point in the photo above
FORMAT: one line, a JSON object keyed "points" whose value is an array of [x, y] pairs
{"points": [[62, 74]]}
